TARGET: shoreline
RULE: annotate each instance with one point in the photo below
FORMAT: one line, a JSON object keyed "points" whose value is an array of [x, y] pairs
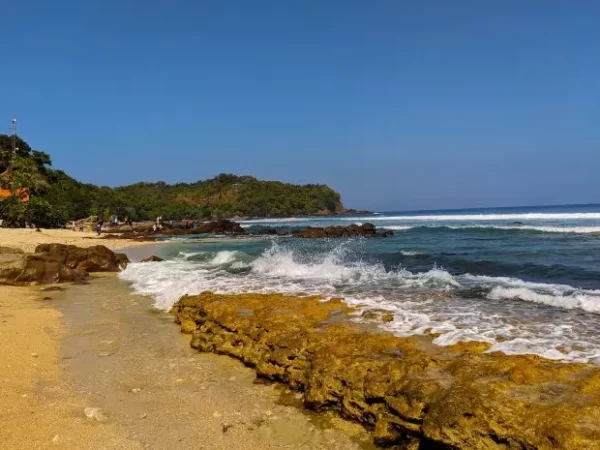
{"points": [[38, 408], [98, 345]]}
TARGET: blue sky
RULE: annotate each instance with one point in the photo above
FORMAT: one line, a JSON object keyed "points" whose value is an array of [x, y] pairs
{"points": [[396, 104]]}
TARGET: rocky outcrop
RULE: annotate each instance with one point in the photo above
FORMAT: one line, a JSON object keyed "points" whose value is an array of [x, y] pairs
{"points": [[92, 259], [222, 226], [365, 230], [133, 235], [23, 269], [410, 393]]}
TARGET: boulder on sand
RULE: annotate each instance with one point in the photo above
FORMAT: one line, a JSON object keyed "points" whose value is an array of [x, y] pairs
{"points": [[56, 263], [23, 269], [93, 259]]}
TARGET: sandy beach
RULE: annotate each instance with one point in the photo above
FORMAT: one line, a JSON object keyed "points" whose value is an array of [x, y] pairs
{"points": [[66, 350], [27, 239]]}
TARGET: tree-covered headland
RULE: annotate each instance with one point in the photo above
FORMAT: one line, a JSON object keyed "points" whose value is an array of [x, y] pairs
{"points": [[32, 191]]}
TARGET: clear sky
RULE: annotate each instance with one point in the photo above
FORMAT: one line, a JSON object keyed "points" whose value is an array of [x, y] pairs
{"points": [[396, 104]]}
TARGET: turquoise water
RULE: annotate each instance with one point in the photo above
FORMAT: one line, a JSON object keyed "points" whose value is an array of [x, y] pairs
{"points": [[527, 280]]}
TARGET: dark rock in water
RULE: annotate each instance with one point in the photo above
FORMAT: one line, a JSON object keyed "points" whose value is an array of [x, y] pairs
{"points": [[266, 231], [353, 212], [517, 223], [122, 260], [132, 235], [93, 259], [23, 269], [152, 259], [222, 226], [409, 393], [365, 230]]}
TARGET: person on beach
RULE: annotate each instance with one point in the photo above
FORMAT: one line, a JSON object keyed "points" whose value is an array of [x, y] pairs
{"points": [[73, 225], [99, 228]]}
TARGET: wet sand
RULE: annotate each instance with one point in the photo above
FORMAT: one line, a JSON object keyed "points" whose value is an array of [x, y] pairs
{"points": [[38, 409], [99, 346]]}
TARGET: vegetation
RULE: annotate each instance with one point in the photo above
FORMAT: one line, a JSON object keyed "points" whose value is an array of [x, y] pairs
{"points": [[55, 197]]}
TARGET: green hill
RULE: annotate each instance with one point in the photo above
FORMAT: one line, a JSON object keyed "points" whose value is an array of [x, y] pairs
{"points": [[56, 197]]}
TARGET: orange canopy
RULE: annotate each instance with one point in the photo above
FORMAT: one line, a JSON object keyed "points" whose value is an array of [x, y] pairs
{"points": [[22, 193]]}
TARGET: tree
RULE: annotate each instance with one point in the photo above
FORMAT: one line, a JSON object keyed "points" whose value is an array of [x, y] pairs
{"points": [[56, 197], [23, 177]]}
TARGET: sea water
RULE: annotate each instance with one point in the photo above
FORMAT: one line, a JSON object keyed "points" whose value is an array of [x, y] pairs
{"points": [[526, 280]]}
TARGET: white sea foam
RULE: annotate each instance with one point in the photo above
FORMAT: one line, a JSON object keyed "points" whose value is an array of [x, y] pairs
{"points": [[484, 217], [411, 253], [224, 257], [330, 272], [546, 229], [423, 302], [440, 217], [585, 301]]}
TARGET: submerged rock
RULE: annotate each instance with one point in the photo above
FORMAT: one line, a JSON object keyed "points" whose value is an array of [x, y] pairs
{"points": [[365, 230], [93, 259], [379, 315], [152, 259], [407, 391]]}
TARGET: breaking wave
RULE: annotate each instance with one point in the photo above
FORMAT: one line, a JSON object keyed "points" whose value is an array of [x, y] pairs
{"points": [[455, 307]]}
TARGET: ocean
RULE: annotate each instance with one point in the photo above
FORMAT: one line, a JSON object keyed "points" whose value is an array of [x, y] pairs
{"points": [[526, 279]]}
